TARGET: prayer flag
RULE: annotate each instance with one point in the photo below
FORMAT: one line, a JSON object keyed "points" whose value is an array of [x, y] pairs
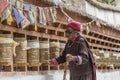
{"points": [[31, 17], [13, 2], [53, 14], [9, 20], [56, 2], [5, 14], [18, 17], [19, 4], [44, 16], [26, 6], [3, 5], [24, 22], [49, 18], [40, 15]]}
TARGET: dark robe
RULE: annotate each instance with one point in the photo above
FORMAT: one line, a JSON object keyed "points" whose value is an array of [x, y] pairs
{"points": [[85, 70]]}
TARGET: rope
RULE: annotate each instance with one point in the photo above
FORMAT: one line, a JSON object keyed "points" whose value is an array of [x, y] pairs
{"points": [[66, 14]]}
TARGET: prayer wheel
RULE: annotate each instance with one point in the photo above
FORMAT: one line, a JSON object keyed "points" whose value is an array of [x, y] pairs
{"points": [[6, 49], [21, 52], [54, 49], [44, 51], [62, 46], [33, 52]]}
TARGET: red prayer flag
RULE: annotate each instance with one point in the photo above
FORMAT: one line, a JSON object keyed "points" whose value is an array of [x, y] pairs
{"points": [[3, 5], [49, 18]]}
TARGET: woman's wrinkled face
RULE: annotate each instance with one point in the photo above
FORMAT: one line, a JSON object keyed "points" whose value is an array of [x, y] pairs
{"points": [[70, 33]]}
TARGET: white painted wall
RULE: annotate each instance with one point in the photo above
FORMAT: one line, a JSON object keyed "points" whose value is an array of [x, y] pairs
{"points": [[118, 3]]}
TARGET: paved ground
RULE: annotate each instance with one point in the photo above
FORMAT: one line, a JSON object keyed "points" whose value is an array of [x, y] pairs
{"points": [[54, 75]]}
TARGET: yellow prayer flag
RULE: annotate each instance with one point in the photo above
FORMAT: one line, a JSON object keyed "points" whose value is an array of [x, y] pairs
{"points": [[35, 18], [35, 21], [19, 4], [9, 20], [54, 11]]}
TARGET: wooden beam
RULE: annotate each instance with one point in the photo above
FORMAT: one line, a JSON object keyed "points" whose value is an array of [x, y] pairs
{"points": [[30, 33], [105, 35], [101, 40], [51, 28], [105, 47]]}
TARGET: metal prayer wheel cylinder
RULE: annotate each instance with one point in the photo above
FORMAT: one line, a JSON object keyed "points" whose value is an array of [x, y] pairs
{"points": [[54, 49], [6, 52], [21, 52], [44, 51], [33, 52], [62, 46], [5, 36]]}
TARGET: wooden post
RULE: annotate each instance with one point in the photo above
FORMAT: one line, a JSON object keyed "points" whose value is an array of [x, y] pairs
{"points": [[49, 56], [26, 69], [12, 64], [59, 52]]}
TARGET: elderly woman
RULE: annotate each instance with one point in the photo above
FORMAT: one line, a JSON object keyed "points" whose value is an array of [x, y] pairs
{"points": [[78, 54]]}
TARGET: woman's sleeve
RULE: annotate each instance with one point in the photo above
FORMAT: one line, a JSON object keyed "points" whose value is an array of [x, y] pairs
{"points": [[83, 56], [61, 58]]}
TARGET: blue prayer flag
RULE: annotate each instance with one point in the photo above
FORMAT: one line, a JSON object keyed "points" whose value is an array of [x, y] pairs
{"points": [[26, 6], [56, 2], [17, 16]]}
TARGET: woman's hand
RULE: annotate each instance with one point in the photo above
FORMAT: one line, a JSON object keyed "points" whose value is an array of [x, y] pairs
{"points": [[69, 57]]}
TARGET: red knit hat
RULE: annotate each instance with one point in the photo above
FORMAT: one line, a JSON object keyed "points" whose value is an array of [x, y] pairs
{"points": [[74, 25]]}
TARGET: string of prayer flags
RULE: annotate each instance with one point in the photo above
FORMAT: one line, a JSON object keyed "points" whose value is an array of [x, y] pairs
{"points": [[46, 15], [3, 6], [27, 14]]}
